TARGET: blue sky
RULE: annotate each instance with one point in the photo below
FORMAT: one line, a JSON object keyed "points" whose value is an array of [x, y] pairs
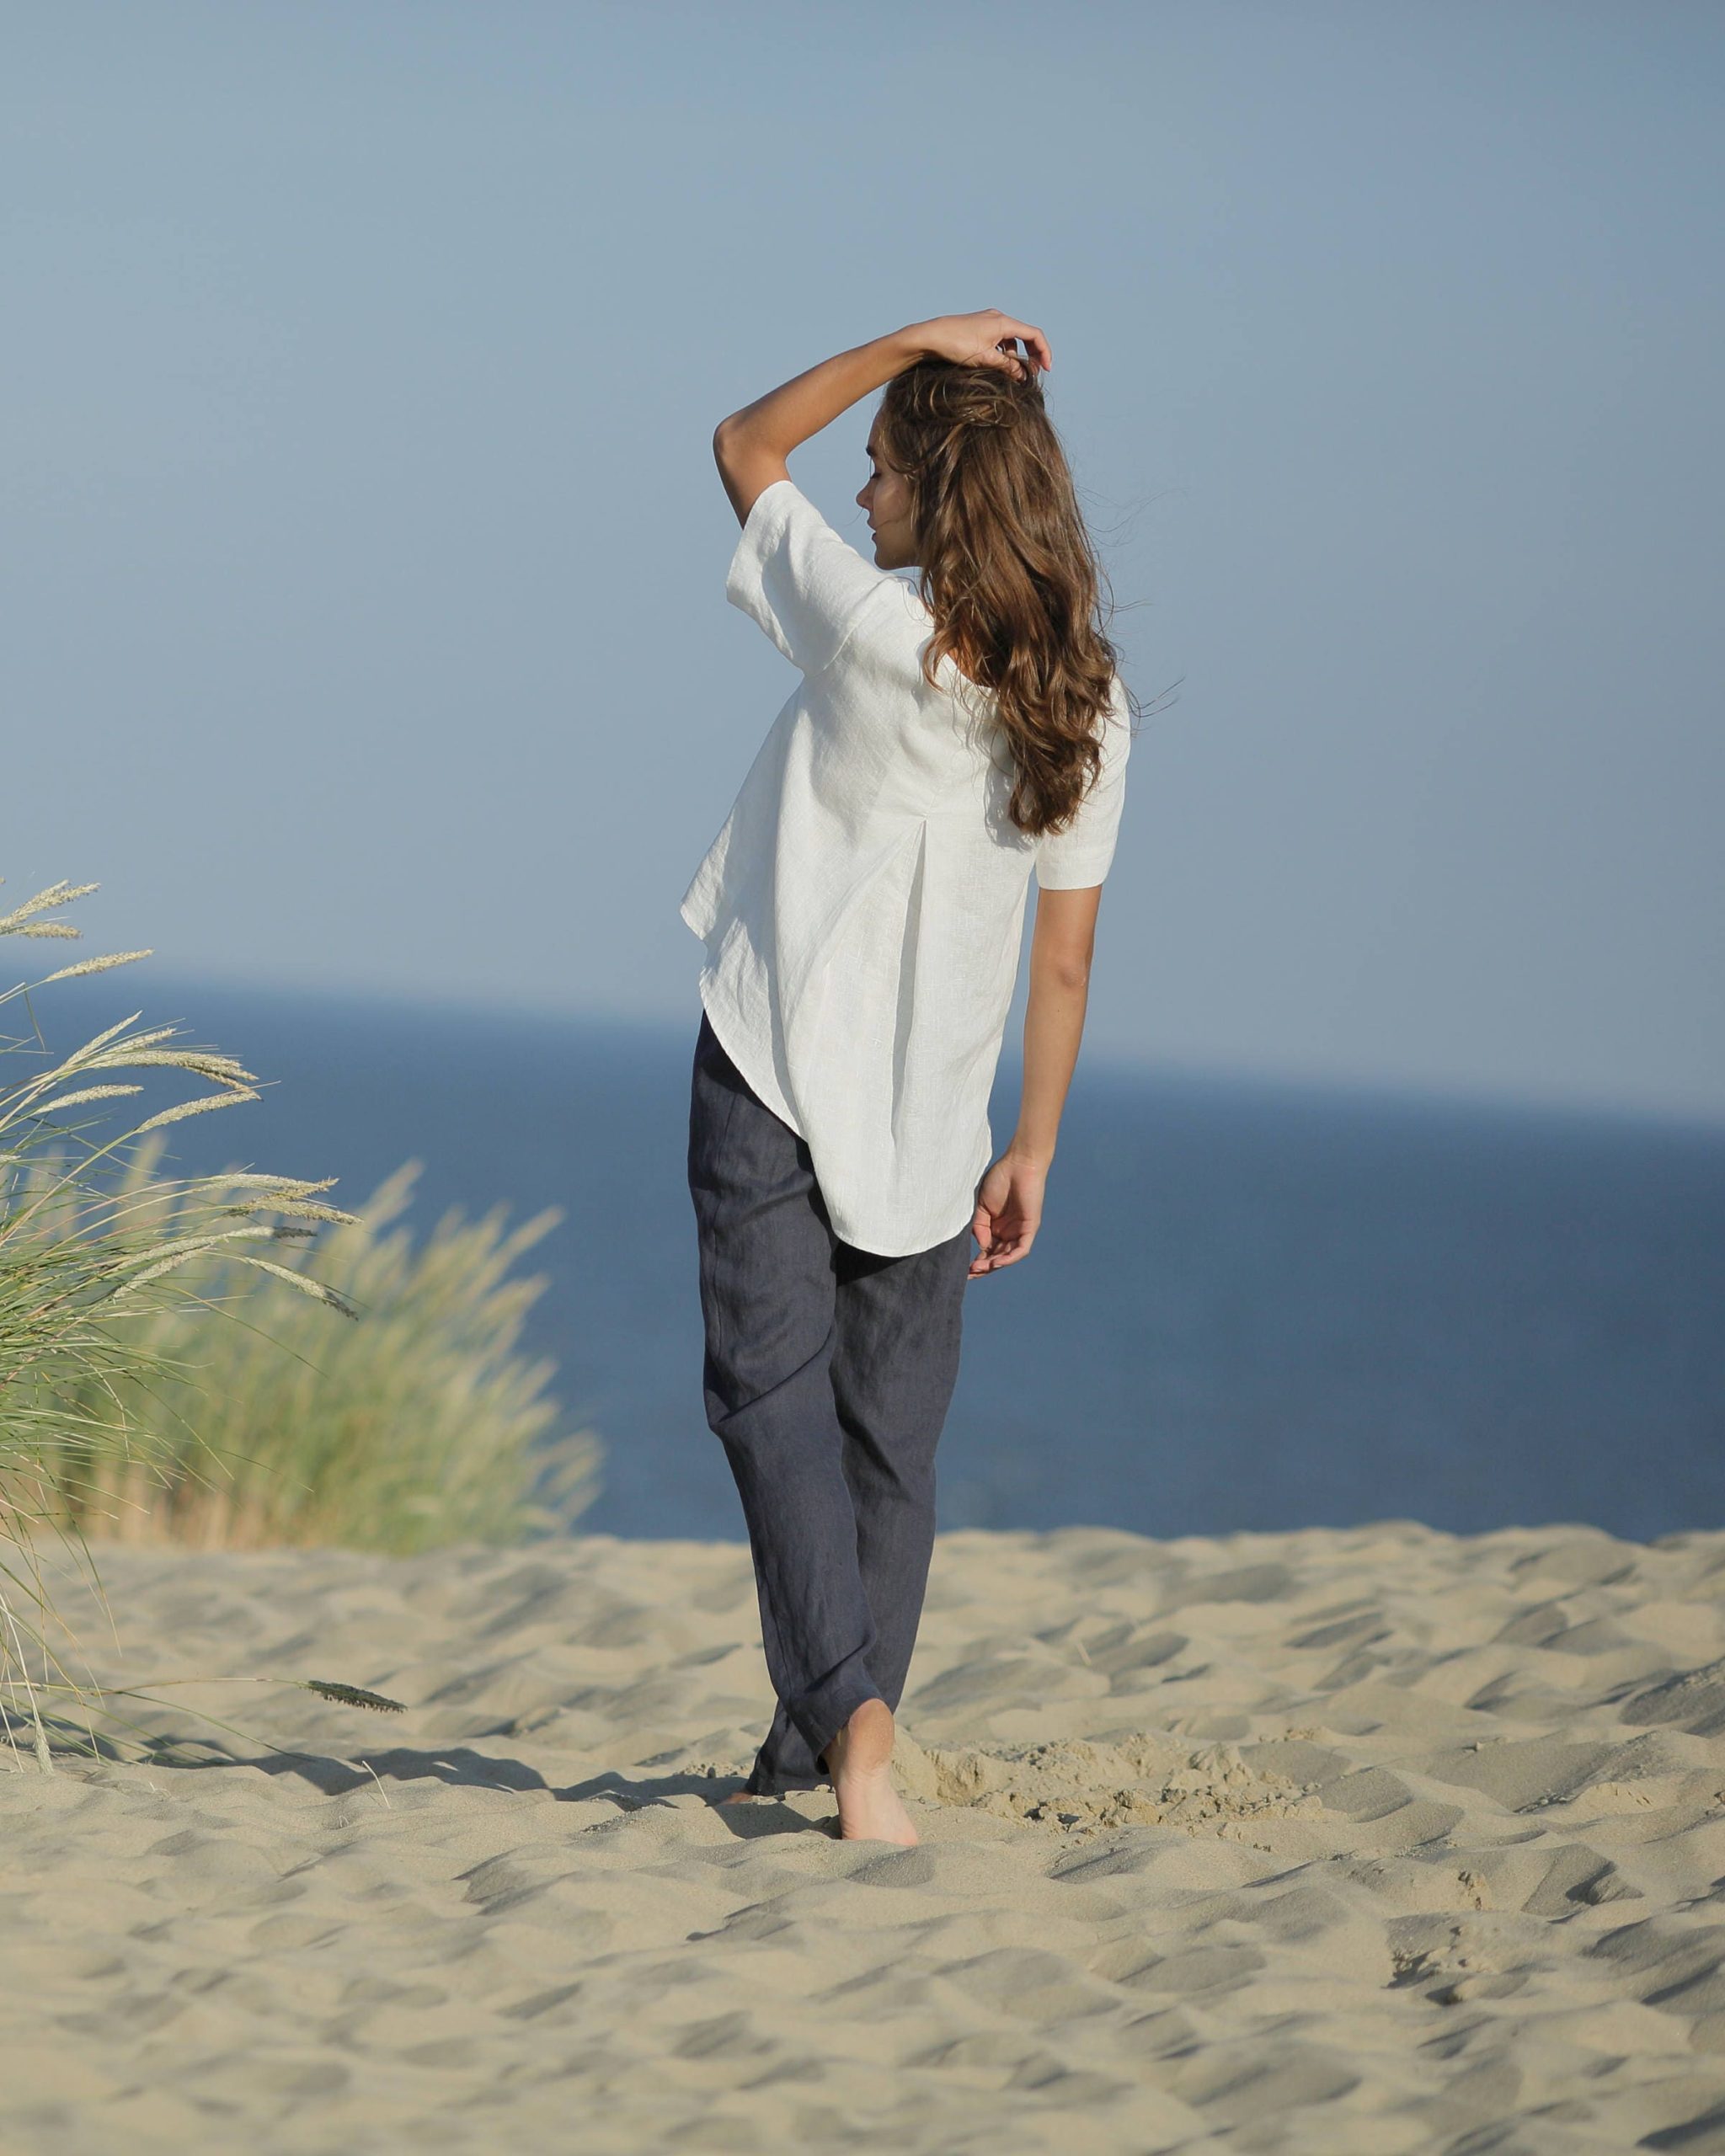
{"points": [[366, 555]]}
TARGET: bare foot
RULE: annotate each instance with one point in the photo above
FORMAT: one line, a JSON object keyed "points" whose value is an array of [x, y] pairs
{"points": [[860, 1761]]}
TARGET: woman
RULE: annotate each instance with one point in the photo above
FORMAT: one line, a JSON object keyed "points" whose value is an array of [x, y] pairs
{"points": [[862, 913]]}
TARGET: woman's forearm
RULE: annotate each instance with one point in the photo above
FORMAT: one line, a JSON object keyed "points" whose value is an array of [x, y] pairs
{"points": [[1054, 1026], [802, 407]]}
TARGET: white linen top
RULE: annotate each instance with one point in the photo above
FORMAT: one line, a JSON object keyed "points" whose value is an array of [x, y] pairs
{"points": [[862, 905]]}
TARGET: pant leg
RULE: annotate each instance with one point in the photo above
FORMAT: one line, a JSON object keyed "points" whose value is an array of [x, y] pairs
{"points": [[768, 1286], [893, 1366], [894, 1369]]}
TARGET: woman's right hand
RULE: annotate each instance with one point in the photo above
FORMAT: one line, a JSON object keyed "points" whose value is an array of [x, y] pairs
{"points": [[980, 339]]}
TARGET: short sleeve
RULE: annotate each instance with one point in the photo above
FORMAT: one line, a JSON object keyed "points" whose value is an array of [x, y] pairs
{"points": [[1078, 856], [795, 576]]}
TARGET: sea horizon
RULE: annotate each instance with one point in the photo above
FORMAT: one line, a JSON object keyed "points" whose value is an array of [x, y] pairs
{"points": [[1255, 1303]]}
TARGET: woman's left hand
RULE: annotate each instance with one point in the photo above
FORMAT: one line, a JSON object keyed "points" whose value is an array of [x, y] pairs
{"points": [[982, 339], [1008, 1213]]}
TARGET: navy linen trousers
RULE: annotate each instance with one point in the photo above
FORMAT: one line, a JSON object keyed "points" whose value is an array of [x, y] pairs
{"points": [[827, 1375]]}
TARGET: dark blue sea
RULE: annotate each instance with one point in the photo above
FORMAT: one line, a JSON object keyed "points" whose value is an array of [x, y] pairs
{"points": [[1249, 1306]]}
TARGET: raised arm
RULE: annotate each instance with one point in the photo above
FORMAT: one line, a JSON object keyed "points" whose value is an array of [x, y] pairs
{"points": [[752, 445]]}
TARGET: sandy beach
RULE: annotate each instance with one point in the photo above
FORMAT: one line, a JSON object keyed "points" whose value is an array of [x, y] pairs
{"points": [[1374, 1840]]}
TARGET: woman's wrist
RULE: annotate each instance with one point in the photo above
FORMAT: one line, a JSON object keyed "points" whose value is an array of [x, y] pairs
{"points": [[909, 343]]}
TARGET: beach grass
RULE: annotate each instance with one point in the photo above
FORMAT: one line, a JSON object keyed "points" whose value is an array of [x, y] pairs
{"points": [[421, 1424], [94, 1242], [162, 1378]]}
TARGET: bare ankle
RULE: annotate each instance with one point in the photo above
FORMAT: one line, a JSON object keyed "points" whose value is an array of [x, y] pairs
{"points": [[869, 1805], [864, 1746]]}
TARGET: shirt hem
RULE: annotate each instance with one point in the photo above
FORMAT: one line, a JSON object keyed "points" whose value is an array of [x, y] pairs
{"points": [[767, 1095], [872, 1248], [933, 1242]]}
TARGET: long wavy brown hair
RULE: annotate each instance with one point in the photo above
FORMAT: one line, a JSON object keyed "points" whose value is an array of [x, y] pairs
{"points": [[1007, 569]]}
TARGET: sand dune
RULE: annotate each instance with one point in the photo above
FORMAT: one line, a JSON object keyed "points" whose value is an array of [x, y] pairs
{"points": [[1372, 1841]]}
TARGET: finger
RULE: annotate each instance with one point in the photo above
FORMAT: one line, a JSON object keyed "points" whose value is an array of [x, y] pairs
{"points": [[1032, 339]]}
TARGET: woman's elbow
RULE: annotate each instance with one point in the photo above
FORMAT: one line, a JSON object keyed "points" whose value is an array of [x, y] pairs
{"points": [[1066, 970]]}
